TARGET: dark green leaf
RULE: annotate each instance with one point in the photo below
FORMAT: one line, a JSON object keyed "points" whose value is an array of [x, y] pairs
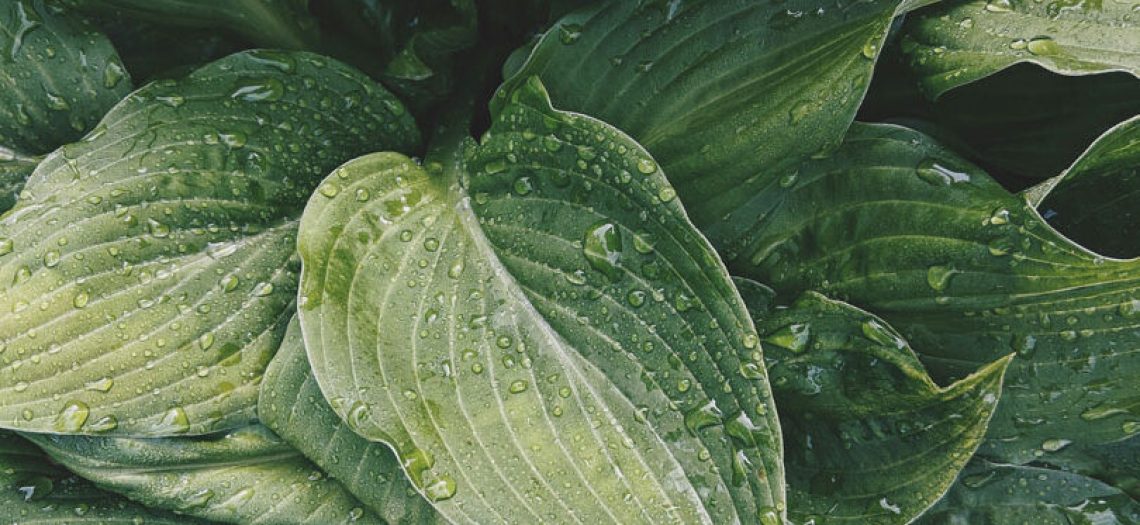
{"points": [[292, 405], [968, 273], [14, 170], [57, 77], [246, 475], [994, 494], [1094, 201], [146, 278], [869, 437], [284, 24], [958, 42], [736, 88], [538, 331], [34, 490]]}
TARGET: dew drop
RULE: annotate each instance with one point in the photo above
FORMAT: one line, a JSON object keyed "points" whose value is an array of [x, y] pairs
{"points": [[72, 417], [602, 247]]}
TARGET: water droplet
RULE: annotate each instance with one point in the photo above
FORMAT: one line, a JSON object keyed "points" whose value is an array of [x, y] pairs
{"points": [[1130, 309], [788, 180], [80, 300], [666, 193], [259, 90], [173, 101], [504, 342], [234, 139], [938, 173], [1000, 216], [871, 48], [602, 247], [701, 417], [877, 332], [569, 33], [51, 259], [1043, 46], [101, 385], [523, 186], [769, 516], [646, 166], [21, 386], [431, 244], [196, 499], [355, 514], [794, 337], [329, 189], [104, 424], [33, 488], [174, 421], [263, 289], [406, 235], [1024, 345], [495, 166], [999, 6], [636, 298], [443, 488], [56, 102], [1130, 427], [518, 387], [6, 246], [938, 277], [157, 229], [1053, 445], [229, 283], [71, 419]]}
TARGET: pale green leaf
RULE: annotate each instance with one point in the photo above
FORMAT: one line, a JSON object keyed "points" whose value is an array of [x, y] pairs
{"points": [[958, 42], [292, 405], [727, 94], [996, 494], [869, 437], [58, 77], [1094, 201], [33, 490], [247, 475], [896, 224], [146, 276], [538, 331]]}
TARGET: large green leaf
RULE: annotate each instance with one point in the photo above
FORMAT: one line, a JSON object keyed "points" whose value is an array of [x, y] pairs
{"points": [[292, 405], [57, 77], [869, 437], [1094, 201], [1117, 464], [900, 226], [736, 88], [145, 275], [958, 42], [34, 490], [538, 331], [246, 475], [14, 171], [996, 494], [284, 24]]}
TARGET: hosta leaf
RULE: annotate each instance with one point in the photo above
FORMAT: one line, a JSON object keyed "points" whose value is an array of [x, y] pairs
{"points": [[284, 24], [996, 494], [14, 170], [152, 51], [538, 331], [34, 490], [146, 276], [58, 78], [958, 42], [292, 405], [1094, 201], [869, 437], [1117, 464], [972, 274], [736, 88], [246, 475]]}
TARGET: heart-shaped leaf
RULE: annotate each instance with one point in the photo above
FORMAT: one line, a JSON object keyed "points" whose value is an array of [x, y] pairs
{"points": [[34, 490], [145, 280], [958, 42], [1094, 201], [971, 275], [728, 95], [59, 76], [538, 330], [246, 475], [996, 494], [292, 405], [869, 437]]}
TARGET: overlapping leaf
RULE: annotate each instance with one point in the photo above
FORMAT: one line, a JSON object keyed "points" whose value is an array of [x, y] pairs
{"points": [[58, 77], [962, 41], [869, 437], [726, 94], [292, 405], [34, 490], [14, 171], [1094, 201], [997, 494], [968, 273], [247, 475], [146, 276], [538, 331]]}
